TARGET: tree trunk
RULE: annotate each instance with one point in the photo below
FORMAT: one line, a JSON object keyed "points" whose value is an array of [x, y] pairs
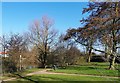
{"points": [[43, 64], [89, 58], [106, 55], [89, 54], [112, 63]]}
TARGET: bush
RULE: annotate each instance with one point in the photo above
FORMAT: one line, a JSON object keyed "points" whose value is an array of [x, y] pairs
{"points": [[98, 59], [9, 65], [81, 60]]}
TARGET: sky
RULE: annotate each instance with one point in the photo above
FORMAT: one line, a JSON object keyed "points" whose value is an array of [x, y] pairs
{"points": [[45, 0], [18, 16]]}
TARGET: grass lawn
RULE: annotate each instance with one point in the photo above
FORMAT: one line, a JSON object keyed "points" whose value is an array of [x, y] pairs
{"points": [[4, 77], [90, 68], [46, 77], [9, 75]]}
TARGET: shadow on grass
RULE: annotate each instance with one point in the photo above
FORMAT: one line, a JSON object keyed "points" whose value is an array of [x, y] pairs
{"points": [[26, 78], [54, 80]]}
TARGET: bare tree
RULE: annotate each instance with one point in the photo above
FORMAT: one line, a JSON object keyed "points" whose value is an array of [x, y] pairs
{"points": [[84, 37], [17, 46], [3, 43], [43, 36], [104, 20]]}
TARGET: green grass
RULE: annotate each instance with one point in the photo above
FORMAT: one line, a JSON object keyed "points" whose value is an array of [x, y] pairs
{"points": [[90, 68], [7, 76], [4, 77], [67, 78], [86, 68], [10, 75]]}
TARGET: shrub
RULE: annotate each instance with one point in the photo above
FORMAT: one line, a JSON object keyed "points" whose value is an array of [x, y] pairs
{"points": [[98, 59]]}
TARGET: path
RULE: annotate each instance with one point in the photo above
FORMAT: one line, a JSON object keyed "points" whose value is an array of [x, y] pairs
{"points": [[45, 71]]}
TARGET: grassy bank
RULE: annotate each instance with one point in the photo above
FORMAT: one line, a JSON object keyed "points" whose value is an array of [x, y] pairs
{"points": [[47, 77], [90, 68], [95, 69]]}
